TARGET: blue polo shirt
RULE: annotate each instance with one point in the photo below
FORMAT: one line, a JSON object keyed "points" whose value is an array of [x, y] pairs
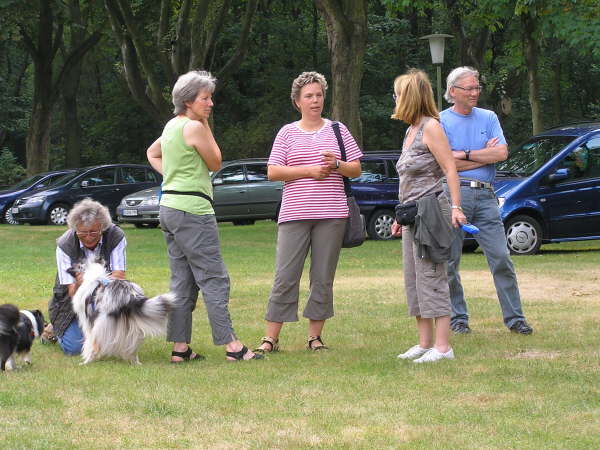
{"points": [[471, 132]]}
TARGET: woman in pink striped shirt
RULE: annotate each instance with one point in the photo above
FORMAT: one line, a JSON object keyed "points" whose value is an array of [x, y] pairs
{"points": [[313, 213]]}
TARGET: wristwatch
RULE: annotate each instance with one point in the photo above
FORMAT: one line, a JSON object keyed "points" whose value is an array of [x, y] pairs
{"points": [[467, 153], [337, 163]]}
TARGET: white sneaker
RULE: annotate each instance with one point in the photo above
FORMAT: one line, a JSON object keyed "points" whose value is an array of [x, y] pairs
{"points": [[413, 352], [433, 355]]}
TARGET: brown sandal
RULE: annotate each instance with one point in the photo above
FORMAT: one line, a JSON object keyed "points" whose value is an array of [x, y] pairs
{"points": [[312, 339], [274, 343]]}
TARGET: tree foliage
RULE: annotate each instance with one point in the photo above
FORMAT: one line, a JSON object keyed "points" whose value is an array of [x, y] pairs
{"points": [[10, 170], [121, 91], [185, 37]]}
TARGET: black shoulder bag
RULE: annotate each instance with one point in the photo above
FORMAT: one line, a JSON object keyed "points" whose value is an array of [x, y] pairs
{"points": [[355, 227]]}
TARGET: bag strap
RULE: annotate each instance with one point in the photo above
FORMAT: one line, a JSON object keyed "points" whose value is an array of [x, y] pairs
{"points": [[338, 135], [195, 193]]}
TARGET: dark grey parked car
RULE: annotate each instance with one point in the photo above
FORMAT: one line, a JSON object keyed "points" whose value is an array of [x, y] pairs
{"points": [[107, 184], [241, 190]]}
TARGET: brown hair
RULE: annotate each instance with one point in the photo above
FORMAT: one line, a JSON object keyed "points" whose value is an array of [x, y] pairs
{"points": [[414, 97]]}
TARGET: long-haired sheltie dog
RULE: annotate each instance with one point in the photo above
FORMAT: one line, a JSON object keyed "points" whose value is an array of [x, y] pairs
{"points": [[18, 329], [115, 315]]}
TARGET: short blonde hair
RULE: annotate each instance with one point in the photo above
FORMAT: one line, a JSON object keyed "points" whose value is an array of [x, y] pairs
{"points": [[414, 97], [302, 80], [88, 212]]}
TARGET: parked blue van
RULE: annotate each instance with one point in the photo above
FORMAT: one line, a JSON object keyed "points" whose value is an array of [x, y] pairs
{"points": [[549, 188], [376, 192]]}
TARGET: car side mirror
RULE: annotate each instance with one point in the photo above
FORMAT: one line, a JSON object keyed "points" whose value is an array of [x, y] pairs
{"points": [[85, 183], [216, 181], [558, 175]]}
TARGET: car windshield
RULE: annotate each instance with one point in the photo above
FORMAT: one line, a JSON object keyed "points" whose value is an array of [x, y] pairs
{"points": [[525, 159], [26, 182], [63, 179]]}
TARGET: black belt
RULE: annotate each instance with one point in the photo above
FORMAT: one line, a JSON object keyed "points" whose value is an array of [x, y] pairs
{"points": [[197, 194]]}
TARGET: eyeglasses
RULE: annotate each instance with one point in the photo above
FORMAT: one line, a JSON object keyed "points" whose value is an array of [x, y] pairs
{"points": [[93, 234], [471, 89], [395, 97]]}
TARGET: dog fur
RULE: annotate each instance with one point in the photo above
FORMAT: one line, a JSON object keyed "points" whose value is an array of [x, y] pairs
{"points": [[18, 330], [115, 315]]}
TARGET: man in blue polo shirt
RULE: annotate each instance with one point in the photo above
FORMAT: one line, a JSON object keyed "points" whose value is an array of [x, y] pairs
{"points": [[478, 143]]}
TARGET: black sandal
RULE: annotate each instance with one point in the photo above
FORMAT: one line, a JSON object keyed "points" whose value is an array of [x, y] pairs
{"points": [[239, 356], [274, 343], [186, 356], [312, 339]]}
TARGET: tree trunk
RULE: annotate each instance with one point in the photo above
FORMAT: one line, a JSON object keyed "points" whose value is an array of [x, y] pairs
{"points": [[38, 137], [46, 85], [531, 52], [346, 23]]}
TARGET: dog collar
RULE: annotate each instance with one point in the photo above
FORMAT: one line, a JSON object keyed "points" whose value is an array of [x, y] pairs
{"points": [[105, 281], [31, 318]]}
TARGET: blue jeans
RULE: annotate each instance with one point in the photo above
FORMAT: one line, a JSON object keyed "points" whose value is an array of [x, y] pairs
{"points": [[72, 340], [481, 209]]}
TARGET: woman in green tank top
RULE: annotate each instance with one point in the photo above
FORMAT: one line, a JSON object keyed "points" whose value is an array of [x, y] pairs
{"points": [[184, 154]]}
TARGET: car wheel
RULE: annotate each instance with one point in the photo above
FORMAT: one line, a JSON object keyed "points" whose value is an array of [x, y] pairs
{"points": [[57, 215], [380, 225], [8, 216], [523, 235], [146, 225]]}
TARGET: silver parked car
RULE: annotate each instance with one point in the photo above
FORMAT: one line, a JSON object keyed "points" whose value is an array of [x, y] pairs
{"points": [[242, 193]]}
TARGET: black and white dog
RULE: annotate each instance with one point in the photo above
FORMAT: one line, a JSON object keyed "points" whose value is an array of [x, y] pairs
{"points": [[18, 329], [115, 315]]}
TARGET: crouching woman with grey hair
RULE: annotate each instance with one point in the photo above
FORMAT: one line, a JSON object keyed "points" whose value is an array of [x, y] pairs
{"points": [[91, 233], [185, 153]]}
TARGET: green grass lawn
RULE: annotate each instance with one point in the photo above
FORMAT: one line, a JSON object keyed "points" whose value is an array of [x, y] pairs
{"points": [[502, 391]]}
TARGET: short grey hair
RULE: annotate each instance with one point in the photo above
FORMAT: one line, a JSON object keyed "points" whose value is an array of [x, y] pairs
{"points": [[302, 80], [188, 86], [88, 212], [456, 75]]}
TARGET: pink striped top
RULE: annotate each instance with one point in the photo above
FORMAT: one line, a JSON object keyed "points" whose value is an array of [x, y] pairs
{"points": [[307, 198]]}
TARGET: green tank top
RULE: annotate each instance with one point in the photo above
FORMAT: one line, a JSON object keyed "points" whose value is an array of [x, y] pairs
{"points": [[183, 170]]}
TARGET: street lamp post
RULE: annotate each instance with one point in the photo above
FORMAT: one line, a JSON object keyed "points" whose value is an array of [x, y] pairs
{"points": [[436, 47]]}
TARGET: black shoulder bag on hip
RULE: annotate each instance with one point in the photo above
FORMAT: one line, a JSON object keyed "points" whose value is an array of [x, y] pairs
{"points": [[355, 227]]}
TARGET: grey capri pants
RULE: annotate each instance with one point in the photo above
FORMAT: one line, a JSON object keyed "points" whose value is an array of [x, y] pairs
{"points": [[425, 282], [196, 264], [294, 238]]}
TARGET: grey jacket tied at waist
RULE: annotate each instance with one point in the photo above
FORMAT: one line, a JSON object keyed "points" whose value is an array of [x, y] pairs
{"points": [[60, 309], [432, 232]]}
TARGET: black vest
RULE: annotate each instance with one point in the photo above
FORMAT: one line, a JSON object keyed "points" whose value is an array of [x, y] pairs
{"points": [[60, 309]]}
